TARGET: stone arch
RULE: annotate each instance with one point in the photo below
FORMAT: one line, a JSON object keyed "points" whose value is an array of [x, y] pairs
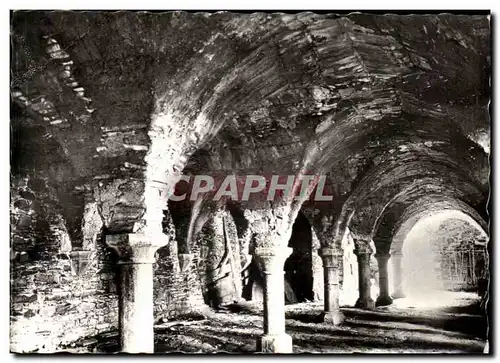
{"points": [[404, 228], [400, 217], [410, 179], [302, 267], [396, 220], [267, 92], [425, 148]]}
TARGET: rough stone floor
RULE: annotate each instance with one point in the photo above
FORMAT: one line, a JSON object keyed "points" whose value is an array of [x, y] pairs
{"points": [[405, 327]]}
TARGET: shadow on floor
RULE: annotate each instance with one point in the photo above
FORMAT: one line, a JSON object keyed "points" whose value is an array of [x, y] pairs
{"points": [[472, 325], [235, 329]]}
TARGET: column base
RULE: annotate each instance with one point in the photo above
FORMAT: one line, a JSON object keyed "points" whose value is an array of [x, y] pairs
{"points": [[281, 343], [398, 295], [138, 350], [366, 304], [383, 300], [333, 317]]}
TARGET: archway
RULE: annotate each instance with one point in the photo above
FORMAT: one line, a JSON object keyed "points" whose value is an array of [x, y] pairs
{"points": [[301, 265], [444, 259], [303, 270]]}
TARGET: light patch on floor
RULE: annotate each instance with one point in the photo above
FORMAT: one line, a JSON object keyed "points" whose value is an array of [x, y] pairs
{"points": [[432, 299]]}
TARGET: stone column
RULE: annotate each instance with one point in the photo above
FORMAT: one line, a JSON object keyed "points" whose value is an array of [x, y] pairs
{"points": [[332, 313], [364, 273], [397, 275], [136, 252], [271, 261], [383, 298]]}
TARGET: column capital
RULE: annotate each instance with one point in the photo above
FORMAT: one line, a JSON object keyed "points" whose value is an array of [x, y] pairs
{"points": [[330, 256], [330, 251], [272, 259], [136, 247], [382, 256], [362, 249], [397, 254]]}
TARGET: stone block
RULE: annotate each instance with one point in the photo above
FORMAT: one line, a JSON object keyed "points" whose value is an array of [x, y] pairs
{"points": [[24, 257], [366, 304], [65, 309], [107, 276], [383, 301], [86, 306], [29, 314], [281, 343], [47, 311], [25, 298], [21, 282], [333, 317], [89, 341]]}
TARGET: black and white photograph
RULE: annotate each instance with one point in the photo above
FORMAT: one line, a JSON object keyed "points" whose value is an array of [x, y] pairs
{"points": [[250, 182]]}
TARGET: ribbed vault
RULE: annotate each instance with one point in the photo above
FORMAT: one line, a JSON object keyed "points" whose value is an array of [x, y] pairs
{"points": [[142, 97], [110, 109]]}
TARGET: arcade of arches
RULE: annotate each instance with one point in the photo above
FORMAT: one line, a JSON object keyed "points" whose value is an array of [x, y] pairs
{"points": [[108, 109]]}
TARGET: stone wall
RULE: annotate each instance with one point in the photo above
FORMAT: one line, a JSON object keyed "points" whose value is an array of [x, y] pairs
{"points": [[62, 297], [52, 308], [60, 300], [189, 284], [52, 303], [177, 283]]}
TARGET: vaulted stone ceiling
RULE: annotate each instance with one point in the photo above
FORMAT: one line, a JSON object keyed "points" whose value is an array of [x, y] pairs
{"points": [[388, 106]]}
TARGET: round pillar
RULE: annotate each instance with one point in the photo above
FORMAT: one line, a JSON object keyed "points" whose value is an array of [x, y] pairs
{"points": [[364, 301], [136, 253], [397, 274], [272, 261], [331, 258], [383, 279]]}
